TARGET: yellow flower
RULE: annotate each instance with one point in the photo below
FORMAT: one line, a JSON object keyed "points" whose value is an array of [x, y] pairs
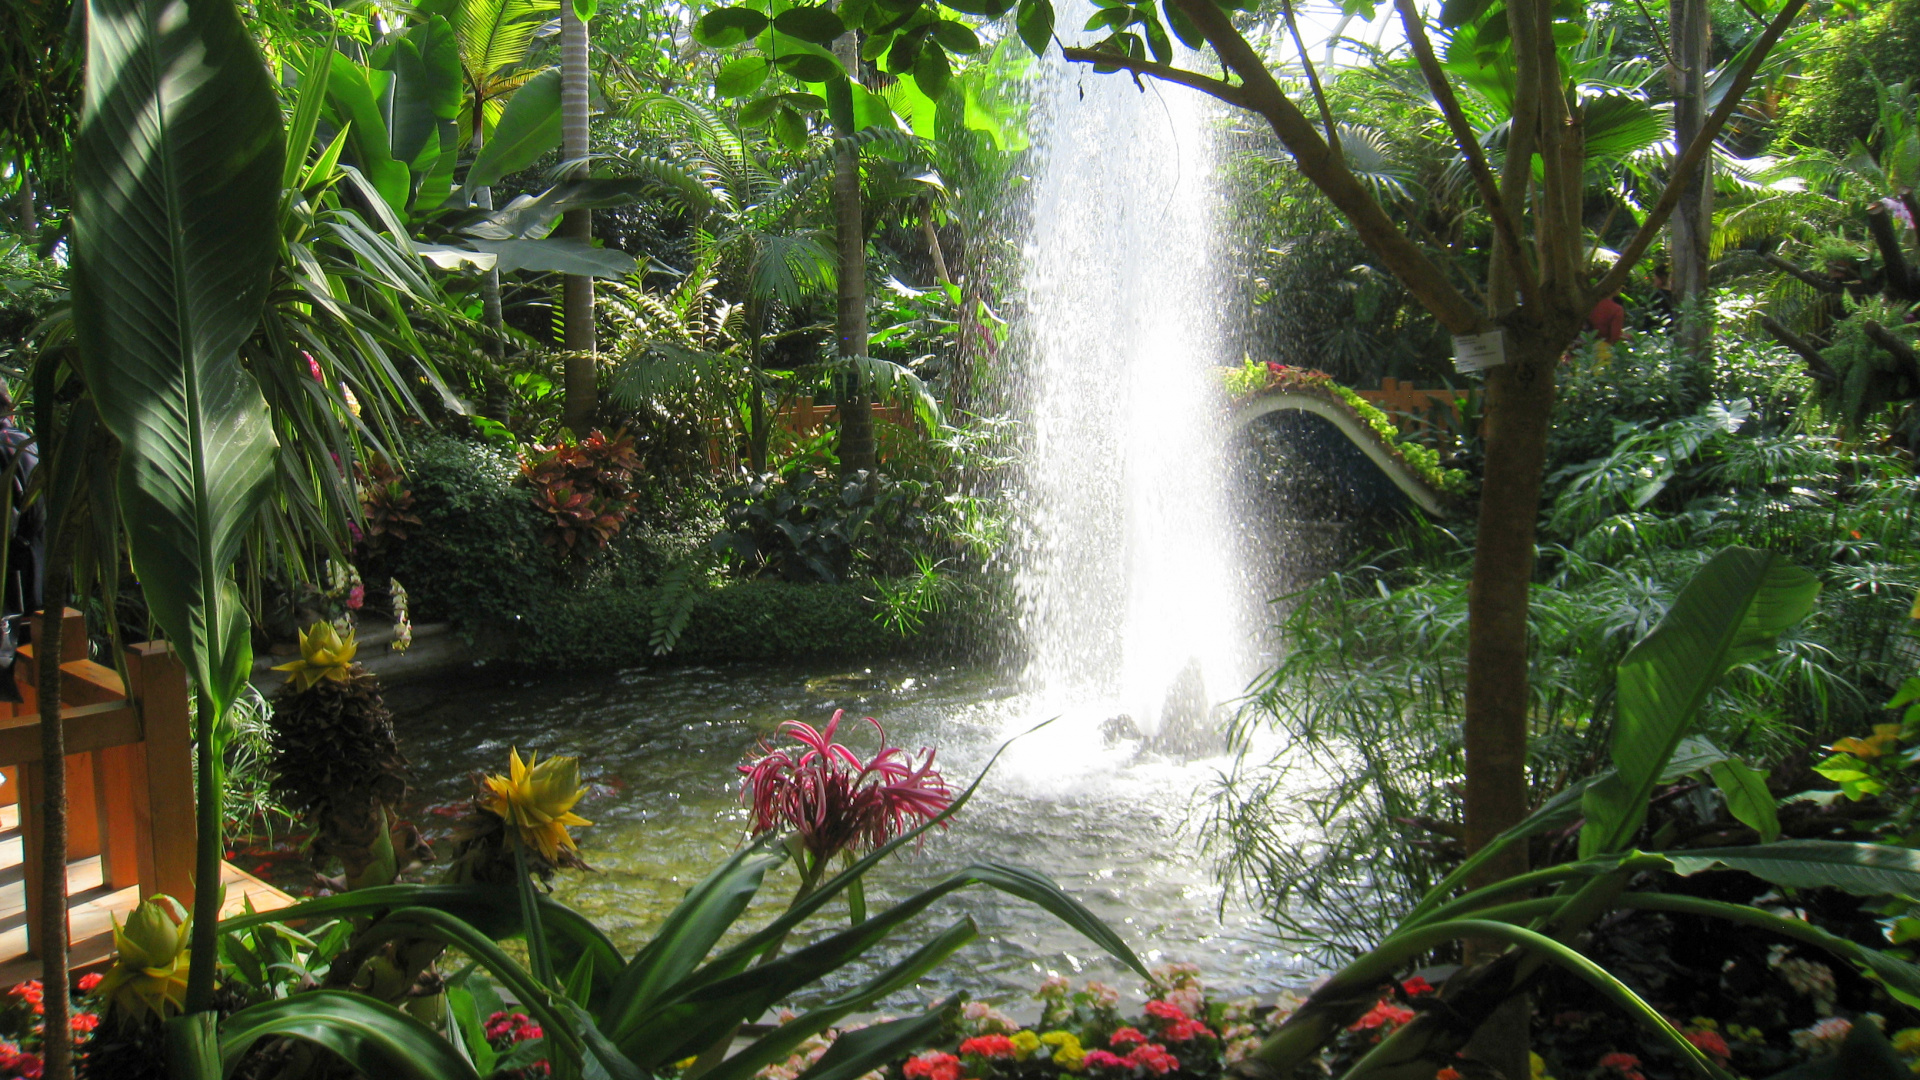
{"points": [[1024, 1044], [149, 971], [324, 654], [1907, 1041], [537, 799], [1067, 1052]]}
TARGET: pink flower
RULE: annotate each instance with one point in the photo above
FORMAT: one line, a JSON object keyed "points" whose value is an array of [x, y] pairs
{"points": [[834, 800], [1184, 1030], [313, 369], [932, 1067], [1127, 1036], [356, 596], [1101, 1059], [1384, 1014], [988, 1046], [1154, 1059], [1710, 1043], [1165, 1011]]}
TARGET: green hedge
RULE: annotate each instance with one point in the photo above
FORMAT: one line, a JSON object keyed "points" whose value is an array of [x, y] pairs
{"points": [[608, 627], [1834, 103]]}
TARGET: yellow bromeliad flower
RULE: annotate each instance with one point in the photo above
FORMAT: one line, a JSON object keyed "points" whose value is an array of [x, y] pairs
{"points": [[324, 654], [1024, 1044], [537, 798], [149, 971]]}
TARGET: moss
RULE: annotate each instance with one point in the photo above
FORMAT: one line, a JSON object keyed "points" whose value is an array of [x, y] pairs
{"points": [[1254, 378]]}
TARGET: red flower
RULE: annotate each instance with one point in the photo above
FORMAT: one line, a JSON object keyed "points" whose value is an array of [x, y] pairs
{"points": [[83, 1021], [29, 992], [1416, 986], [1447, 1073], [1127, 1036], [15, 1062], [988, 1046], [832, 799], [1710, 1043], [1384, 1014], [1154, 1059], [1626, 1064], [1101, 1059], [89, 981], [932, 1067], [1183, 1030], [1165, 1010]]}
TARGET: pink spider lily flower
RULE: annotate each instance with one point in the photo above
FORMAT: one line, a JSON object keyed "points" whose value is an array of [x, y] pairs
{"points": [[831, 799]]}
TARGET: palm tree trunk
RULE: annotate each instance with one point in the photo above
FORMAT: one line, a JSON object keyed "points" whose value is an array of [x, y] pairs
{"points": [[57, 1048], [29, 213], [1692, 223], [856, 407], [489, 281], [582, 376]]}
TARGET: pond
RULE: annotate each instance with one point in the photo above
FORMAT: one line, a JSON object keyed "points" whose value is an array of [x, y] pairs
{"points": [[1108, 818]]}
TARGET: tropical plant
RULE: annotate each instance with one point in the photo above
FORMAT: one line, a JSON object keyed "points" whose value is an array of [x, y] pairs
{"points": [[673, 998]]}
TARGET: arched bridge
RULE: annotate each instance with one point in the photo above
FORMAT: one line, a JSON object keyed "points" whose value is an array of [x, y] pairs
{"points": [[1409, 466]]}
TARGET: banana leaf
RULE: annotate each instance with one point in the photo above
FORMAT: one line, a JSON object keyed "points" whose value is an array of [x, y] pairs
{"points": [[374, 1038]]}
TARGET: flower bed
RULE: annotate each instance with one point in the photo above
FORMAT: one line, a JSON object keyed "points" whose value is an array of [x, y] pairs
{"points": [[1182, 1032]]}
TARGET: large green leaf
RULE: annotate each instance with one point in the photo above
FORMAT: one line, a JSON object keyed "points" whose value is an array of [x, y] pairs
{"points": [[857, 1053], [1731, 613], [691, 930], [1862, 869], [356, 107], [178, 167], [528, 128], [557, 255], [781, 1042], [376, 1039]]}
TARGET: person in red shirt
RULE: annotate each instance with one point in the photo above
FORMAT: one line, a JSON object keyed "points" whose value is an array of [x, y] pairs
{"points": [[1608, 320]]}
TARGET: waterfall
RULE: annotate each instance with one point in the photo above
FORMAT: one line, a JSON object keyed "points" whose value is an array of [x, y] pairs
{"points": [[1129, 584]]}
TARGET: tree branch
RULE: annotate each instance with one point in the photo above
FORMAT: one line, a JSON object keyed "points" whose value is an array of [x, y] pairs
{"points": [[1894, 271], [1806, 277], [1696, 153], [1313, 79], [1899, 350], [1469, 144], [1817, 367], [1225, 91], [1324, 169]]}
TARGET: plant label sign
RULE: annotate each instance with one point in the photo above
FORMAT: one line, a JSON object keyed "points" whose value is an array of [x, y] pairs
{"points": [[1477, 352]]}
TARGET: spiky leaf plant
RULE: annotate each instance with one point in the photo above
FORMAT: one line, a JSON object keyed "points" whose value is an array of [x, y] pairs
{"points": [[335, 760]]}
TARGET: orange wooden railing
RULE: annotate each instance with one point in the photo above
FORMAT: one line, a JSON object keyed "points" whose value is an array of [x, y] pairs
{"points": [[129, 767]]}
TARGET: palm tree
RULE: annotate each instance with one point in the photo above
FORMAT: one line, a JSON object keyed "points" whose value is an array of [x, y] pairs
{"points": [[576, 289], [495, 39]]}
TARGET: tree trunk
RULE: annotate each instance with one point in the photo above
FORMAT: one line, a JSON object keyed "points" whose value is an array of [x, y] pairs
{"points": [[1692, 223], [850, 322], [29, 213], [582, 376], [489, 281], [57, 1049]]}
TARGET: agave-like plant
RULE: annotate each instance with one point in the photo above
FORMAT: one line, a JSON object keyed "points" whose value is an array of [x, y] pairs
{"points": [[677, 995]]}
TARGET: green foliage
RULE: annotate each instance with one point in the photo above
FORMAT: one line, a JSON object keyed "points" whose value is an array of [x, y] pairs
{"points": [[801, 526], [1833, 105], [30, 290], [479, 551]]}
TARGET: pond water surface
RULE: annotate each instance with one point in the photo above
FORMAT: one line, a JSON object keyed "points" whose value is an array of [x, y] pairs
{"points": [[1107, 818]]}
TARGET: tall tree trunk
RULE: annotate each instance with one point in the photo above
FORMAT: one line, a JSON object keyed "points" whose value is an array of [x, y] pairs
{"points": [[856, 407], [29, 213], [489, 281], [57, 1048], [582, 376], [1692, 222]]}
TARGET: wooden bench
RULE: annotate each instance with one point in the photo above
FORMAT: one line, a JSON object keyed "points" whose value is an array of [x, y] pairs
{"points": [[129, 768]]}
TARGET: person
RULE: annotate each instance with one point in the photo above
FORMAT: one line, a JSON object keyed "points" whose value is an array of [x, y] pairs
{"points": [[1608, 323], [26, 540], [1657, 312]]}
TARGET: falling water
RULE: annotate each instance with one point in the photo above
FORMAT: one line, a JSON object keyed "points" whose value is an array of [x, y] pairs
{"points": [[1129, 584]]}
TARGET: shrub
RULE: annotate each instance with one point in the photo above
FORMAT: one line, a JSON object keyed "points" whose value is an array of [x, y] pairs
{"points": [[1836, 102]]}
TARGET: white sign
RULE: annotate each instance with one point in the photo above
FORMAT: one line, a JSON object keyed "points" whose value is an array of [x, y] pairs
{"points": [[1477, 352]]}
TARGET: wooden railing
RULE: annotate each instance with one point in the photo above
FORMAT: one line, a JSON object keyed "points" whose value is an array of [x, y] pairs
{"points": [[129, 767]]}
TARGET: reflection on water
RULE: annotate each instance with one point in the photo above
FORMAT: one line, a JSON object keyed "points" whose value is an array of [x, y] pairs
{"points": [[660, 749]]}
